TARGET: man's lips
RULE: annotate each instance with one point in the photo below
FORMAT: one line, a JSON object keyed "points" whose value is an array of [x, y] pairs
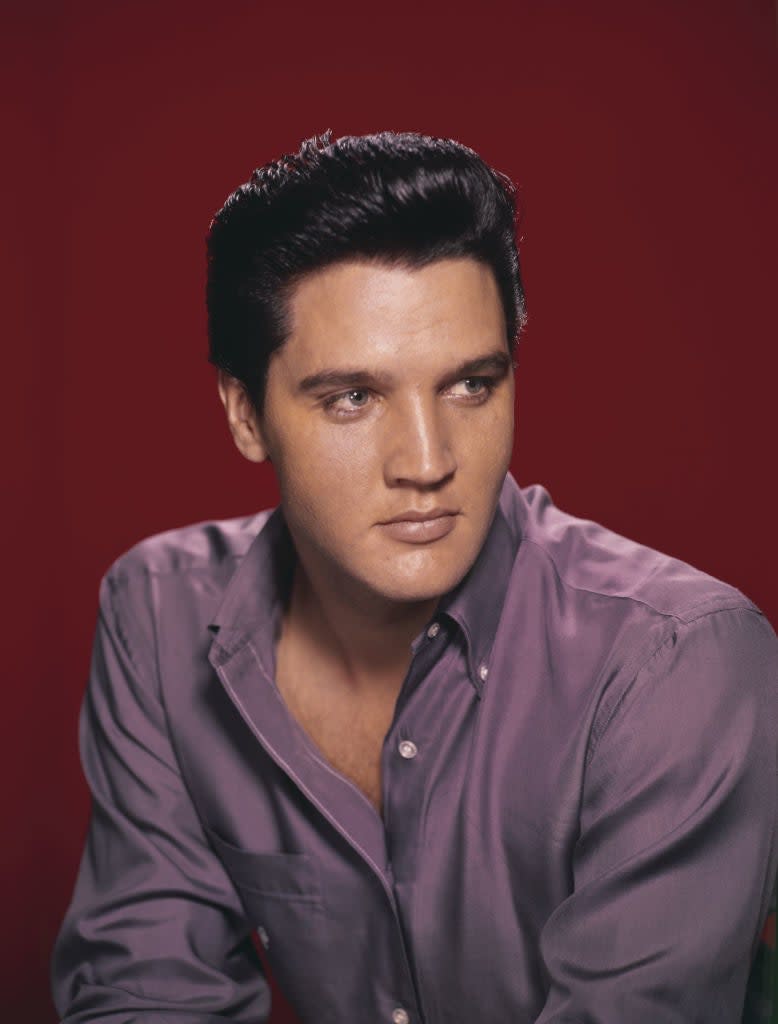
{"points": [[421, 515], [421, 531]]}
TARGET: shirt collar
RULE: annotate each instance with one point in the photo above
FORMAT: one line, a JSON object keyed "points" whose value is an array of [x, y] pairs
{"points": [[476, 603], [258, 587]]}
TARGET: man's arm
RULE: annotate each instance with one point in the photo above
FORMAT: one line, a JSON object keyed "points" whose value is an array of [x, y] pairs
{"points": [[677, 853], [155, 931]]}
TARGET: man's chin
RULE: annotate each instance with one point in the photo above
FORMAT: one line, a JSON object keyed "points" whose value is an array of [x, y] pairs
{"points": [[418, 588]]}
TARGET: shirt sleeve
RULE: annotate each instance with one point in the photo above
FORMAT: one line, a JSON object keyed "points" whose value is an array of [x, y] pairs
{"points": [[676, 855], [155, 932]]}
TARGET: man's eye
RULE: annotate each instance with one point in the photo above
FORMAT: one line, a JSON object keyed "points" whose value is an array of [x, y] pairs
{"points": [[477, 387], [355, 398]]}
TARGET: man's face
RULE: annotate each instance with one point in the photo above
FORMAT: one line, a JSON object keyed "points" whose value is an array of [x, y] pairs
{"points": [[372, 411]]}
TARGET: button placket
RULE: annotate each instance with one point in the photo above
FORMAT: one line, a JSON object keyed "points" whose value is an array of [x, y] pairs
{"points": [[404, 787]]}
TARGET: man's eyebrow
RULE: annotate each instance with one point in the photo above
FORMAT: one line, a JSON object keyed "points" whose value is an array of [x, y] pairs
{"points": [[498, 363], [343, 377]]}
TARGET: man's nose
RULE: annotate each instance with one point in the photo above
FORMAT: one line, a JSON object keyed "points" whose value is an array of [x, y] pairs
{"points": [[418, 445]]}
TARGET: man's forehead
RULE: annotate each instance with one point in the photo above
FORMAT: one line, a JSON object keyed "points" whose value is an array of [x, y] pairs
{"points": [[366, 307]]}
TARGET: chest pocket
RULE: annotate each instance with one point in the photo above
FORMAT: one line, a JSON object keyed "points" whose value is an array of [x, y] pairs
{"points": [[285, 876], [281, 896]]}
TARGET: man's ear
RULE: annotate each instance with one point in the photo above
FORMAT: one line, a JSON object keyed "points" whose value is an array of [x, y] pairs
{"points": [[243, 421]]}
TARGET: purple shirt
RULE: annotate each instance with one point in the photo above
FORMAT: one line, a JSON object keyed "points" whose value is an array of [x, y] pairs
{"points": [[579, 789]]}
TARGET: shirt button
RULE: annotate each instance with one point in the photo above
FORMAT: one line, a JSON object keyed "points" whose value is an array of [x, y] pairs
{"points": [[433, 630], [407, 749], [483, 672], [400, 1016]]}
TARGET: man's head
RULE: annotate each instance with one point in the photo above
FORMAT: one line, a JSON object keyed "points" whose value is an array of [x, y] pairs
{"points": [[389, 386]]}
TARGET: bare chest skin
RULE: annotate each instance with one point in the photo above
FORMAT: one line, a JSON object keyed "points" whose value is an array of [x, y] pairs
{"points": [[348, 728]]}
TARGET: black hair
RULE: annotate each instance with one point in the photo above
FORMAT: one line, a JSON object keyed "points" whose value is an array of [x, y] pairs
{"points": [[396, 198]]}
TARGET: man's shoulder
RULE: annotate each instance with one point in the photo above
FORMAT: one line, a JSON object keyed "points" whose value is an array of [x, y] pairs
{"points": [[206, 546], [591, 560]]}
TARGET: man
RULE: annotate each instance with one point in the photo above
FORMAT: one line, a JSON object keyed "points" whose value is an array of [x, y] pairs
{"points": [[451, 753]]}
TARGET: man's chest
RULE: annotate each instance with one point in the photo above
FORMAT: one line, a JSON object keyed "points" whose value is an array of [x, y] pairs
{"points": [[350, 738], [348, 730], [466, 828]]}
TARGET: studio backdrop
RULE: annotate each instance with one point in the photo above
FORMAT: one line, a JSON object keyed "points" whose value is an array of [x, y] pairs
{"points": [[642, 139]]}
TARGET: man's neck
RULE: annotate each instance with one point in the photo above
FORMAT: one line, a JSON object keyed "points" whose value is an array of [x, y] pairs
{"points": [[367, 642]]}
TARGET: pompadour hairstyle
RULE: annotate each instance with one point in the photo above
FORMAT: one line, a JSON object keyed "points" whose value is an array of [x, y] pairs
{"points": [[396, 198]]}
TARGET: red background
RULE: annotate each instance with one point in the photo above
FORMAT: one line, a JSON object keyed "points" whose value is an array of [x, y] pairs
{"points": [[643, 139]]}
